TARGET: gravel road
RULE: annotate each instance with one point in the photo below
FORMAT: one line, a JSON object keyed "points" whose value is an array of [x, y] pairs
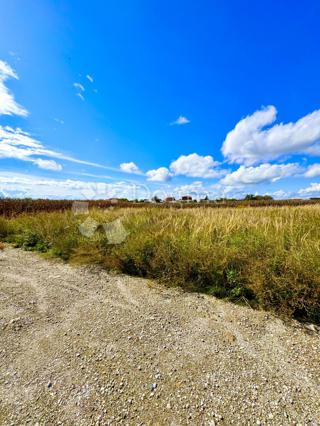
{"points": [[80, 346]]}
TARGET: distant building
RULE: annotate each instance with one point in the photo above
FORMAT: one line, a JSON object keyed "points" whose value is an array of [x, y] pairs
{"points": [[186, 198], [170, 199], [114, 200]]}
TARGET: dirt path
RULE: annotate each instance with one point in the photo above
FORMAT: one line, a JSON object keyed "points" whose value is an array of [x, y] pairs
{"points": [[79, 346]]}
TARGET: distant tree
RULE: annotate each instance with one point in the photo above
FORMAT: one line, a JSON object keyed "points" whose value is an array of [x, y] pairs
{"points": [[250, 197], [156, 199], [226, 200], [205, 199]]}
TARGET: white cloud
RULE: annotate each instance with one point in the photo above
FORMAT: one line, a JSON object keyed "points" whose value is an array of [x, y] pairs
{"points": [[313, 171], [80, 95], [251, 142], [90, 78], [8, 105], [15, 55], [280, 194], [58, 120], [194, 165], [195, 189], [159, 175], [79, 86], [47, 164], [80, 89], [180, 121], [14, 143], [312, 189], [22, 185], [130, 168], [239, 192], [263, 173]]}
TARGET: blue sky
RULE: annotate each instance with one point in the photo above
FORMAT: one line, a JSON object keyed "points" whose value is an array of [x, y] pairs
{"points": [[124, 98]]}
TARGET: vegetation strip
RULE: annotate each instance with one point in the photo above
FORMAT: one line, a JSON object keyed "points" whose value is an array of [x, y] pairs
{"points": [[10, 207], [268, 257]]}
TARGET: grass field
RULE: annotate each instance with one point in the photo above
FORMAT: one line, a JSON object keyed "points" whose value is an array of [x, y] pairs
{"points": [[268, 257]]}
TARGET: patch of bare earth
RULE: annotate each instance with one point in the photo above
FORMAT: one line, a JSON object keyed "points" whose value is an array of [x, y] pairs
{"points": [[79, 346]]}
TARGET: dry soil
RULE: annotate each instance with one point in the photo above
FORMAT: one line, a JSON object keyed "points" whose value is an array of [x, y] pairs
{"points": [[80, 346]]}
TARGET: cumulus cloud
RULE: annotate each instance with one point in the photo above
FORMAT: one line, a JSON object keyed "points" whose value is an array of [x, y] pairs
{"points": [[280, 194], [251, 142], [130, 167], [195, 189], [180, 121], [162, 174], [8, 105], [313, 171], [194, 165], [263, 173]]}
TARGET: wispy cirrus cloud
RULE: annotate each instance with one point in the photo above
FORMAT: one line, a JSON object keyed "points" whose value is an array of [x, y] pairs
{"points": [[80, 95], [90, 78], [313, 190], [80, 90], [8, 105], [79, 87], [20, 145], [313, 171], [58, 120]]}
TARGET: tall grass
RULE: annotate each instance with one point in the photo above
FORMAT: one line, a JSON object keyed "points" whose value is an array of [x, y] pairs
{"points": [[267, 257], [11, 207]]}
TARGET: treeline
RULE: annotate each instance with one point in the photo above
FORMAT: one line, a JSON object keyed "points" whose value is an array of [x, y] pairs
{"points": [[12, 207]]}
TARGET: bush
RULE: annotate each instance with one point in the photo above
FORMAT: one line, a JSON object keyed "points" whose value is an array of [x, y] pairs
{"points": [[4, 228]]}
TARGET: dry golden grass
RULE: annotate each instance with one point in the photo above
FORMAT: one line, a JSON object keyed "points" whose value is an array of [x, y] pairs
{"points": [[268, 257]]}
